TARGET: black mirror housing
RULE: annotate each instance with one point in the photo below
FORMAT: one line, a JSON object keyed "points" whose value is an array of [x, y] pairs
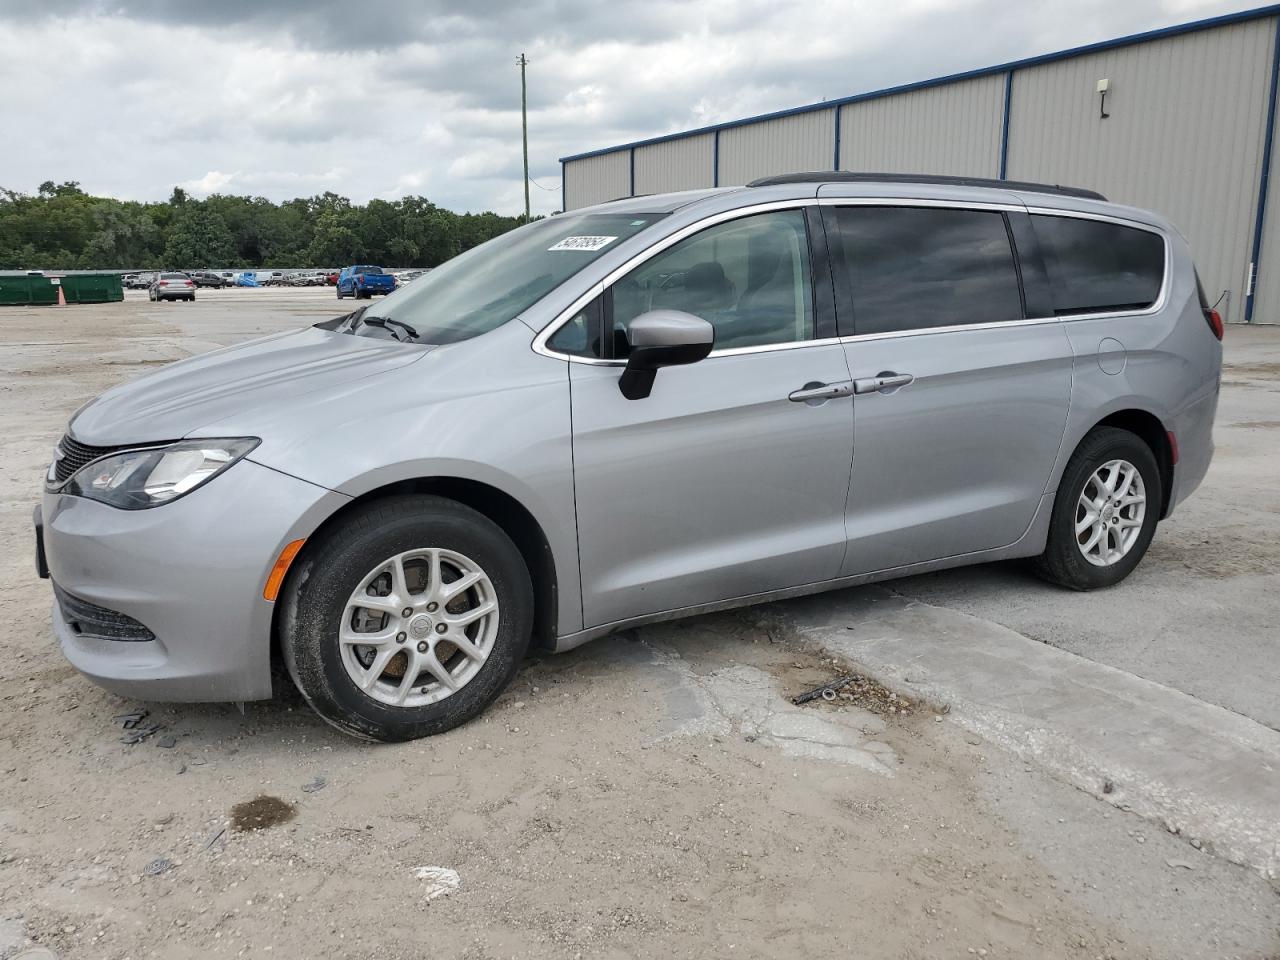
{"points": [[662, 338]]}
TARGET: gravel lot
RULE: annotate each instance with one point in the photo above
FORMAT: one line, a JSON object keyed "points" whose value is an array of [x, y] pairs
{"points": [[651, 795]]}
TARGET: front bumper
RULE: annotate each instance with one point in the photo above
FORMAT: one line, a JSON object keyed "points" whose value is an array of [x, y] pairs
{"points": [[191, 572]]}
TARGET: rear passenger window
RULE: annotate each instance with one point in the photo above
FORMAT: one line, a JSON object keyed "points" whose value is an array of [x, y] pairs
{"points": [[1099, 267], [911, 268]]}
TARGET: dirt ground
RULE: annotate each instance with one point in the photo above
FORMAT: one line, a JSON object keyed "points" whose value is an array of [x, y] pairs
{"points": [[651, 795]]}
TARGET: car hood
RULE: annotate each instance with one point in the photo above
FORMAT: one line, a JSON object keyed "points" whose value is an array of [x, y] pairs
{"points": [[269, 374]]}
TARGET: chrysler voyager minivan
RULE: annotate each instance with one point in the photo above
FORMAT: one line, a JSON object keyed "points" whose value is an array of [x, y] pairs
{"points": [[632, 412]]}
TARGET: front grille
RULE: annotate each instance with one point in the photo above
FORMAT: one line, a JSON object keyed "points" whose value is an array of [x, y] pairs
{"points": [[76, 454], [90, 620]]}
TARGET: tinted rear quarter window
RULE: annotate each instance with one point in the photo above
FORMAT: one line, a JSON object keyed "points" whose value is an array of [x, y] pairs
{"points": [[1096, 266], [911, 268]]}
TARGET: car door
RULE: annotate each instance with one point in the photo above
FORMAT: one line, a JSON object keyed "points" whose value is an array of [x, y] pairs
{"points": [[730, 478], [961, 387]]}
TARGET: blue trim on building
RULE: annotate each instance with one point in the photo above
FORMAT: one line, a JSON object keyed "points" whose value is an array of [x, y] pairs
{"points": [[715, 161], [1004, 126], [1126, 41], [1263, 179], [835, 165]]}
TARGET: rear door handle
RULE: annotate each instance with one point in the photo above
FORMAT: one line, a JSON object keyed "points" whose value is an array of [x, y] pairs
{"points": [[885, 382], [815, 392]]}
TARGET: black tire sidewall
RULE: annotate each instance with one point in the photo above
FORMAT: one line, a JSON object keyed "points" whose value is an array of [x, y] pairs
{"points": [[1063, 562], [322, 581]]}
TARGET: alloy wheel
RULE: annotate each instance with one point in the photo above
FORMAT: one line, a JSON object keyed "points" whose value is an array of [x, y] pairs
{"points": [[1110, 513], [419, 627]]}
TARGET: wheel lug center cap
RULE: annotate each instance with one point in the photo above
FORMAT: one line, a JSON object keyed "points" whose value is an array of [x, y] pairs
{"points": [[420, 627]]}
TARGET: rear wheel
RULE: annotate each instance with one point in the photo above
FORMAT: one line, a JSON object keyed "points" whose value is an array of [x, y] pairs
{"points": [[407, 619], [1105, 513]]}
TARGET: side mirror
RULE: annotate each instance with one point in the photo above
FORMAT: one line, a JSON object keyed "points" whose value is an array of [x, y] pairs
{"points": [[662, 338]]}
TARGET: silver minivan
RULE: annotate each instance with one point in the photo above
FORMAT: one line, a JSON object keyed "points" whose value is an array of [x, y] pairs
{"points": [[636, 411]]}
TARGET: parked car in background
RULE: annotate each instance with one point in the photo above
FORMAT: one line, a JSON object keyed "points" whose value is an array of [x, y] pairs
{"points": [[138, 281], [247, 279], [172, 286], [331, 278], [363, 282], [632, 412], [207, 279], [305, 279]]}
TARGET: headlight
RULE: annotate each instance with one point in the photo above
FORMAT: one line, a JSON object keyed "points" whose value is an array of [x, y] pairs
{"points": [[138, 479]]}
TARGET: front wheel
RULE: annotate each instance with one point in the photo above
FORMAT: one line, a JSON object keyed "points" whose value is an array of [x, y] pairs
{"points": [[1105, 513], [407, 618]]}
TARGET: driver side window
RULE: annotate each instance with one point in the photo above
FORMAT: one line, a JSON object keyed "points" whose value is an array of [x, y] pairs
{"points": [[749, 278]]}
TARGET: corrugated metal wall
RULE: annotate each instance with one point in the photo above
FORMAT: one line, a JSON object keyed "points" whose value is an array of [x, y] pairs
{"points": [[1184, 137], [597, 179], [685, 164], [806, 141], [952, 130]]}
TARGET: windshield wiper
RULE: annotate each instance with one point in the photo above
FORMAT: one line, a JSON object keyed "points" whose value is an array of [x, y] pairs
{"points": [[395, 326]]}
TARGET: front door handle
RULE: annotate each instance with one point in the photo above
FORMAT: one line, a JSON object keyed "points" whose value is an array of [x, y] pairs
{"points": [[816, 392], [884, 382]]}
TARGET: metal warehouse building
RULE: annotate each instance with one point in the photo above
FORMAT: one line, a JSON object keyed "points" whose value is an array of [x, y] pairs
{"points": [[1179, 120]]}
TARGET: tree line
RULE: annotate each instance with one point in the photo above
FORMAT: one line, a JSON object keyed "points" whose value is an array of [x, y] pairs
{"points": [[63, 228]]}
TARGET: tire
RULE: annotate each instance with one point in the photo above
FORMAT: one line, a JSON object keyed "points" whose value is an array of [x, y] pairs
{"points": [[1064, 560], [320, 599], [338, 291]]}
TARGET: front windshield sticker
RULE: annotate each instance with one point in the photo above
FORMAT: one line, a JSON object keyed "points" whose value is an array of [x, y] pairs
{"points": [[583, 243]]}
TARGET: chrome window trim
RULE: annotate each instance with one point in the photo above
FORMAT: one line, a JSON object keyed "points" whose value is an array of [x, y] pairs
{"points": [[951, 328], [540, 341], [1162, 298]]}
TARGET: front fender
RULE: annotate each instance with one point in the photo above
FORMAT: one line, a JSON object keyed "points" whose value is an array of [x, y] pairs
{"points": [[487, 410]]}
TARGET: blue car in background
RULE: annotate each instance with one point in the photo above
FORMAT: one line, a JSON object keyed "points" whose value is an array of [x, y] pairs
{"points": [[364, 282]]}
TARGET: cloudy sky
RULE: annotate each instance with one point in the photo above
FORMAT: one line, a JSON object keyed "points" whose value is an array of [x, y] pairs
{"points": [[285, 98]]}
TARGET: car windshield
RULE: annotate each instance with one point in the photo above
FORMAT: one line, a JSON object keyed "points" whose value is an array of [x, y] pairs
{"points": [[369, 271], [173, 276], [493, 283]]}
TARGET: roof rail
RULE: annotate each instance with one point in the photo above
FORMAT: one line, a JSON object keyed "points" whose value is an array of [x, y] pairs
{"points": [[843, 176]]}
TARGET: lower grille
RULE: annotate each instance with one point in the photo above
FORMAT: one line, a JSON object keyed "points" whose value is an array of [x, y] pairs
{"points": [[90, 620]]}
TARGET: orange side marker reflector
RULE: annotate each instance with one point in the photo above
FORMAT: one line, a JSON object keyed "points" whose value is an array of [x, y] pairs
{"points": [[274, 581]]}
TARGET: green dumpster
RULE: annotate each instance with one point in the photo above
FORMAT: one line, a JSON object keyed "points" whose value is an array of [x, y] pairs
{"points": [[22, 290], [92, 288]]}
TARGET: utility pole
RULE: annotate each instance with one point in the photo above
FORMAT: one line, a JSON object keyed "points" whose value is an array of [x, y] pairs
{"points": [[524, 129]]}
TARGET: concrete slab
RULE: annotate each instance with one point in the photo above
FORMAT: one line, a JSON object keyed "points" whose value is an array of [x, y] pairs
{"points": [[1207, 773], [1201, 613]]}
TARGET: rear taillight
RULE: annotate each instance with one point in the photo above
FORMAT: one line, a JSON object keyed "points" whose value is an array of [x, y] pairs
{"points": [[164, 283], [190, 283], [1214, 319]]}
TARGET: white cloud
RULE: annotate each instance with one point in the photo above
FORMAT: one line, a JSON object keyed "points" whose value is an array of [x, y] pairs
{"points": [[273, 98]]}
